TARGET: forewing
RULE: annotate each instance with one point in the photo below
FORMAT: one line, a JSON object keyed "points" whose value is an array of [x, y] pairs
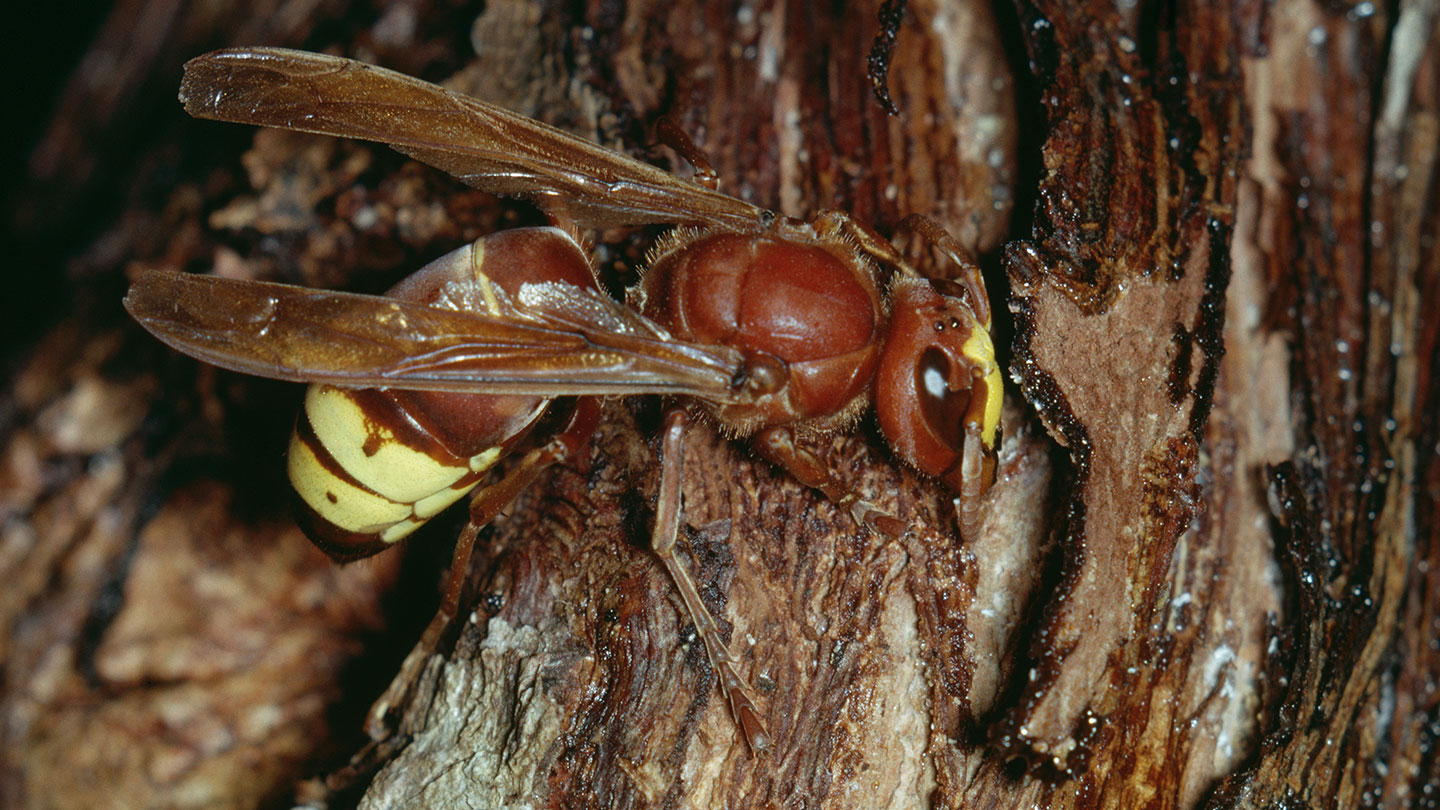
{"points": [[486, 146], [363, 341]]}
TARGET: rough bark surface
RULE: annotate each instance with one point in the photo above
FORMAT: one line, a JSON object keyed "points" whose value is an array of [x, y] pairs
{"points": [[1207, 575]]}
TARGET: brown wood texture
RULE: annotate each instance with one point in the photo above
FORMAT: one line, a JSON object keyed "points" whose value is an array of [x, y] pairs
{"points": [[1208, 574]]}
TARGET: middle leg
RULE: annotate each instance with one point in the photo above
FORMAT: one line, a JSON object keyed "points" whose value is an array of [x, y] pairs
{"points": [[667, 526]]}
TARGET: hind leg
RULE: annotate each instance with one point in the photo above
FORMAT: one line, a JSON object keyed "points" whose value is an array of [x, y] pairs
{"points": [[485, 505]]}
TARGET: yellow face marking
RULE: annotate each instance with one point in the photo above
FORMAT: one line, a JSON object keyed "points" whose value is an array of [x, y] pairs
{"points": [[337, 500], [391, 468], [978, 349]]}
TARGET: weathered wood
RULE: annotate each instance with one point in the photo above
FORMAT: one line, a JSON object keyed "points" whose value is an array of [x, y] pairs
{"points": [[1206, 576]]}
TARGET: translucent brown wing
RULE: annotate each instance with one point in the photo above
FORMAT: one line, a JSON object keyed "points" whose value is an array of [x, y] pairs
{"points": [[486, 146], [364, 341]]}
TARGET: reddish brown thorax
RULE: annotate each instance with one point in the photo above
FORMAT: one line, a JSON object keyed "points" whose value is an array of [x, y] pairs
{"points": [[807, 303]]}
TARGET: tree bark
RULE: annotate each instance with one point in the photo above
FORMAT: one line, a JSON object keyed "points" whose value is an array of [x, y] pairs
{"points": [[1206, 573]]}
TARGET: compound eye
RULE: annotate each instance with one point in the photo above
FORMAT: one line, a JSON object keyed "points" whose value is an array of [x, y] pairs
{"points": [[942, 407]]}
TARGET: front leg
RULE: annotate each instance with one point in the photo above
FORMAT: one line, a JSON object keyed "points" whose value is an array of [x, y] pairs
{"points": [[780, 447]]}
